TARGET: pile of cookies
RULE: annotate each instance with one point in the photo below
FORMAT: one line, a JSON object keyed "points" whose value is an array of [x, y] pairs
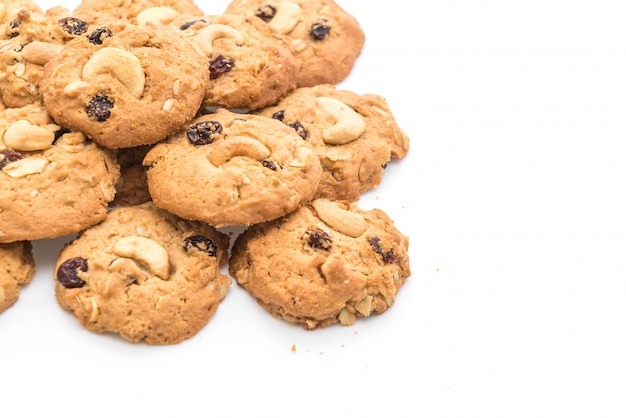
{"points": [[151, 128]]}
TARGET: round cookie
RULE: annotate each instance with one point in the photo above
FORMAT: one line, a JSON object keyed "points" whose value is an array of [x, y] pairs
{"points": [[145, 274], [54, 181], [328, 262], [354, 136], [325, 38], [230, 169], [250, 65], [130, 10], [17, 268], [131, 88]]}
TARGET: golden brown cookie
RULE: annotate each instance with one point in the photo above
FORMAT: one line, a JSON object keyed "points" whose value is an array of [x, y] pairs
{"points": [[54, 181], [230, 169], [130, 10], [132, 88], [325, 263], [324, 37], [251, 65], [17, 267], [354, 136], [145, 274]]}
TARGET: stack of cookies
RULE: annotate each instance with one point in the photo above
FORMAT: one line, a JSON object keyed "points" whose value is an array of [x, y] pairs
{"points": [[148, 128]]}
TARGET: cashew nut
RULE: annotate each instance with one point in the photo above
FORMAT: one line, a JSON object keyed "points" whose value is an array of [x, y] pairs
{"points": [[237, 146], [40, 52], [287, 16], [158, 14], [204, 38], [23, 136], [124, 66], [342, 220], [25, 167], [146, 252], [349, 124]]}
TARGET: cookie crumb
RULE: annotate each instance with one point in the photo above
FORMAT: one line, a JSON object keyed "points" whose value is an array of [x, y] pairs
{"points": [[293, 348]]}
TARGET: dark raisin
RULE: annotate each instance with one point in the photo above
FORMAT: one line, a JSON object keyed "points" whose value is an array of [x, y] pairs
{"points": [[320, 29], [67, 274], [59, 133], [220, 65], [319, 239], [187, 25], [203, 133], [73, 26], [266, 12], [201, 243], [279, 115], [270, 164], [99, 107], [14, 26], [299, 129], [388, 256], [99, 35], [8, 156]]}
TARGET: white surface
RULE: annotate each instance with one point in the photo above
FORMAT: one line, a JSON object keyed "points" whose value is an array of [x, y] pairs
{"points": [[513, 198]]}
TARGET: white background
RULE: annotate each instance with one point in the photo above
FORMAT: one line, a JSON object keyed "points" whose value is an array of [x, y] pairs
{"points": [[513, 196]]}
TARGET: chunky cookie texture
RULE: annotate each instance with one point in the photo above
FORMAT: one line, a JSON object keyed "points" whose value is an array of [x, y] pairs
{"points": [[325, 38], [17, 267], [328, 262], [140, 11], [145, 274], [251, 65], [53, 181], [354, 136], [229, 169], [131, 88]]}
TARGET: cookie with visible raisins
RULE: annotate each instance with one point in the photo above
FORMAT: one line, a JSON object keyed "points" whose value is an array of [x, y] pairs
{"points": [[132, 88], [53, 181], [17, 267], [137, 11], [354, 135], [251, 66], [230, 169], [328, 262], [145, 274], [325, 38]]}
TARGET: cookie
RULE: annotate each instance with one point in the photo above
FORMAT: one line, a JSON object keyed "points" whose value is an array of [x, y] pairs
{"points": [[17, 268], [132, 87], [325, 38], [230, 169], [132, 187], [54, 181], [328, 262], [133, 10], [250, 65], [354, 136], [144, 274]]}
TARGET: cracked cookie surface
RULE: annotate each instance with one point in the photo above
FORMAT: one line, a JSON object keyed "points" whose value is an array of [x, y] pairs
{"points": [[145, 274]]}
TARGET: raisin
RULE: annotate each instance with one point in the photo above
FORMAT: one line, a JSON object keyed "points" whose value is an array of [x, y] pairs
{"points": [[67, 274], [8, 156], [99, 107], [201, 243], [266, 12], [299, 129], [220, 65], [203, 133], [59, 133], [73, 26], [319, 239], [388, 256], [14, 25], [320, 29], [279, 115], [187, 25], [270, 164], [99, 35]]}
